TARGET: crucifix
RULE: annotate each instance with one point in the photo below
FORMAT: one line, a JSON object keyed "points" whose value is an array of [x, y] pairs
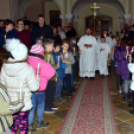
{"points": [[95, 9]]}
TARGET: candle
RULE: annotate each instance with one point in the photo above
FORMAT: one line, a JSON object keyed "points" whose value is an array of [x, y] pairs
{"points": [[74, 51], [20, 90], [48, 59], [5, 36], [38, 69], [127, 51]]}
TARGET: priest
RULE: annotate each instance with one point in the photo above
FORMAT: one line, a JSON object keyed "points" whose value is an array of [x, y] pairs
{"points": [[87, 46], [103, 49]]}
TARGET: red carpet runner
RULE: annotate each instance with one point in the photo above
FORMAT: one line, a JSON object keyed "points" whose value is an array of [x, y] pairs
{"points": [[91, 111]]}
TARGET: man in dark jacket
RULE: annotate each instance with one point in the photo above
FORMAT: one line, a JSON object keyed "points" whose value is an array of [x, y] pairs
{"points": [[41, 30]]}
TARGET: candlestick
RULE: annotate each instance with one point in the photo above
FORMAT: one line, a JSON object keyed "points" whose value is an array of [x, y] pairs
{"points": [[38, 69], [5, 36]]}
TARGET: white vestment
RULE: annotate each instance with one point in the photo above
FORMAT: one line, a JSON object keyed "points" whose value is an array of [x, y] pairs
{"points": [[87, 57], [102, 57]]}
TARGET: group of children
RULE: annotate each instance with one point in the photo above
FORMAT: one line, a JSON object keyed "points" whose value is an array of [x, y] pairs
{"points": [[124, 55], [36, 80]]}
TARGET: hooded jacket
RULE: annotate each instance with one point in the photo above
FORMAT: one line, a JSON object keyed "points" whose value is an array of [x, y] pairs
{"points": [[19, 76]]}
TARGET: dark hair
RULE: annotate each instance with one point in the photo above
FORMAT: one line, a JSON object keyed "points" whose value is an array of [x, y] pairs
{"points": [[20, 20], [8, 22], [1, 20], [48, 42], [57, 45], [40, 16], [65, 41], [102, 37], [129, 42]]}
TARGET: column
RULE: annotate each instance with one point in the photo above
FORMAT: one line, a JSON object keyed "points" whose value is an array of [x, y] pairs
{"points": [[62, 17], [132, 19], [122, 23], [69, 18], [127, 18]]}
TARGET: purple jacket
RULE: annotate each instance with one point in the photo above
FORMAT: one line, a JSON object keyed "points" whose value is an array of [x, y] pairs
{"points": [[125, 74], [117, 52]]}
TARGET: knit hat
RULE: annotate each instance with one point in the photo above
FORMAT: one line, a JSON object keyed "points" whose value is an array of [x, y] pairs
{"points": [[16, 48], [37, 49]]}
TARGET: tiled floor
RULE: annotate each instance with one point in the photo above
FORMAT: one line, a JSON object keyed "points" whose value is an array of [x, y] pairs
{"points": [[124, 120]]}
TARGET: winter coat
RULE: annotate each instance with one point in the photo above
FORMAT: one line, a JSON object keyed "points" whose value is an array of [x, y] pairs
{"points": [[46, 72], [24, 36], [46, 54], [9, 35], [17, 76], [61, 70], [7, 109], [44, 31], [125, 74], [68, 69]]}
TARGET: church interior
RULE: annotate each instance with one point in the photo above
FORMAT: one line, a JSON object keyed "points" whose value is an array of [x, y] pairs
{"points": [[96, 106]]}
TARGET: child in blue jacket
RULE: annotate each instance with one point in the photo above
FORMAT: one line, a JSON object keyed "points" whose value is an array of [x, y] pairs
{"points": [[60, 73]]}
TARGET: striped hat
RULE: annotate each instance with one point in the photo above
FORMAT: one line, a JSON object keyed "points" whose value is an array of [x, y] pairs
{"points": [[37, 49]]}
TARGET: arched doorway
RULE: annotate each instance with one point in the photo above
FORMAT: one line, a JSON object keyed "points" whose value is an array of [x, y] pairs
{"points": [[102, 22]]}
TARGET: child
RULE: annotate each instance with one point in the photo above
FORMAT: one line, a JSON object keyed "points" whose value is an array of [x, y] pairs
{"points": [[103, 51], [6, 110], [20, 80], [39, 41], [60, 74], [125, 74], [51, 87], [117, 52], [68, 58], [74, 49], [45, 72]]}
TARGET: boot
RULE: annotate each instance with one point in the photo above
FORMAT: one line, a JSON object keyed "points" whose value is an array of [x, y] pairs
{"points": [[130, 96], [41, 124], [131, 111], [130, 104], [125, 97], [30, 128]]}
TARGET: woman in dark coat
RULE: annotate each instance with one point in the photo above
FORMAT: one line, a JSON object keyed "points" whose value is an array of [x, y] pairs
{"points": [[23, 34]]}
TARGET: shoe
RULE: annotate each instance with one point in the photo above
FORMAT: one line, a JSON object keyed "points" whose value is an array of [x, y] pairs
{"points": [[61, 99], [41, 124], [130, 96], [131, 111], [31, 128], [53, 107], [97, 71], [49, 110], [125, 97], [57, 101], [86, 77], [92, 78]]}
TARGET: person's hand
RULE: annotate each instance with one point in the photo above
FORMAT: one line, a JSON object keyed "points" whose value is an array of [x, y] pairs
{"points": [[132, 50], [56, 79], [126, 56], [79, 52], [4, 46], [38, 78], [101, 49], [90, 46], [127, 47], [86, 45], [58, 65]]}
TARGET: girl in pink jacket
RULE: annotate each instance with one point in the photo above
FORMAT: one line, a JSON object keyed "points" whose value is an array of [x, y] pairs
{"points": [[45, 72]]}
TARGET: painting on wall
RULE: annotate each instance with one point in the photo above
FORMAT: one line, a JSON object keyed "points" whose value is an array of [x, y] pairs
{"points": [[54, 18]]}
